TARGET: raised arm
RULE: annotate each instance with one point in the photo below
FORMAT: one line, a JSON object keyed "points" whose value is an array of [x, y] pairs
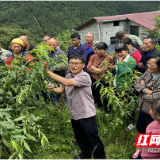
{"points": [[61, 80]]}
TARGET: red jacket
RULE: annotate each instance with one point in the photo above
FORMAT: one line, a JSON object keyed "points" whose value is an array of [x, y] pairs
{"points": [[10, 60], [137, 56]]}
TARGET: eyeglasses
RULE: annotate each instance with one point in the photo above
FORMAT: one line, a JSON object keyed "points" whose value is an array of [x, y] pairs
{"points": [[16, 46], [76, 64]]}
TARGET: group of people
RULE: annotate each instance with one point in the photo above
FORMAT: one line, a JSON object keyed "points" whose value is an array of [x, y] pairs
{"points": [[87, 62], [82, 93]]}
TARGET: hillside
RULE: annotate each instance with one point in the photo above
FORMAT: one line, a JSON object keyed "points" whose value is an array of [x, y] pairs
{"points": [[54, 17]]}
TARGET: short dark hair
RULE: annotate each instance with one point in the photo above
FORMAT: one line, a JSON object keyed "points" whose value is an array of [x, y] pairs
{"points": [[153, 39], [156, 106], [120, 35], [156, 56], [127, 41], [75, 35], [77, 56], [121, 47], [101, 45]]}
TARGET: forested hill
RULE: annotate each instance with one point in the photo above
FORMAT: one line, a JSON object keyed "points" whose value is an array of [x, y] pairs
{"points": [[54, 17]]}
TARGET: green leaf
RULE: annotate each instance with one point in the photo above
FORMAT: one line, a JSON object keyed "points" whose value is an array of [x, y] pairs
{"points": [[27, 146], [20, 156], [5, 142], [16, 131], [1, 91], [16, 146], [46, 139], [6, 110], [13, 155], [7, 125], [19, 137], [37, 87], [9, 120], [34, 118], [19, 118], [20, 97], [42, 142], [30, 137], [33, 74], [0, 151], [13, 74]]}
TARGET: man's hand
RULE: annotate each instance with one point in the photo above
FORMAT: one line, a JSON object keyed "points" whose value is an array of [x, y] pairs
{"points": [[143, 83], [51, 87], [45, 66], [141, 64]]}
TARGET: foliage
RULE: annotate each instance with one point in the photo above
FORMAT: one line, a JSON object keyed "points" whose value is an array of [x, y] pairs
{"points": [[155, 30], [123, 101], [57, 127], [29, 121], [54, 17], [7, 34], [21, 96], [117, 144], [65, 40]]}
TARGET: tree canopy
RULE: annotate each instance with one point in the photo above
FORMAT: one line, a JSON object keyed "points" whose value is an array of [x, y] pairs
{"points": [[39, 18]]}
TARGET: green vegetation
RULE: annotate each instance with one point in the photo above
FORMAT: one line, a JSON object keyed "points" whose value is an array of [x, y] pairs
{"points": [[33, 127], [57, 128], [66, 40], [20, 96], [7, 34], [155, 31], [30, 126], [55, 17]]}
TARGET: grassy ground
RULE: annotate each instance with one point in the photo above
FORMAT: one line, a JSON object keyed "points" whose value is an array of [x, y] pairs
{"points": [[62, 144]]}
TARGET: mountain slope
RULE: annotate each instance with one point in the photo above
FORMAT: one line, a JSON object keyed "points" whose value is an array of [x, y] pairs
{"points": [[54, 17]]}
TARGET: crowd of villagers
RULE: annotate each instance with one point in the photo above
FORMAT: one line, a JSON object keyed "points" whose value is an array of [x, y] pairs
{"points": [[87, 63]]}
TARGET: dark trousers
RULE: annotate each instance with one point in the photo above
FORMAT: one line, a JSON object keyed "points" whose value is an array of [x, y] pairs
{"points": [[86, 134], [54, 97], [143, 121], [97, 96]]}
